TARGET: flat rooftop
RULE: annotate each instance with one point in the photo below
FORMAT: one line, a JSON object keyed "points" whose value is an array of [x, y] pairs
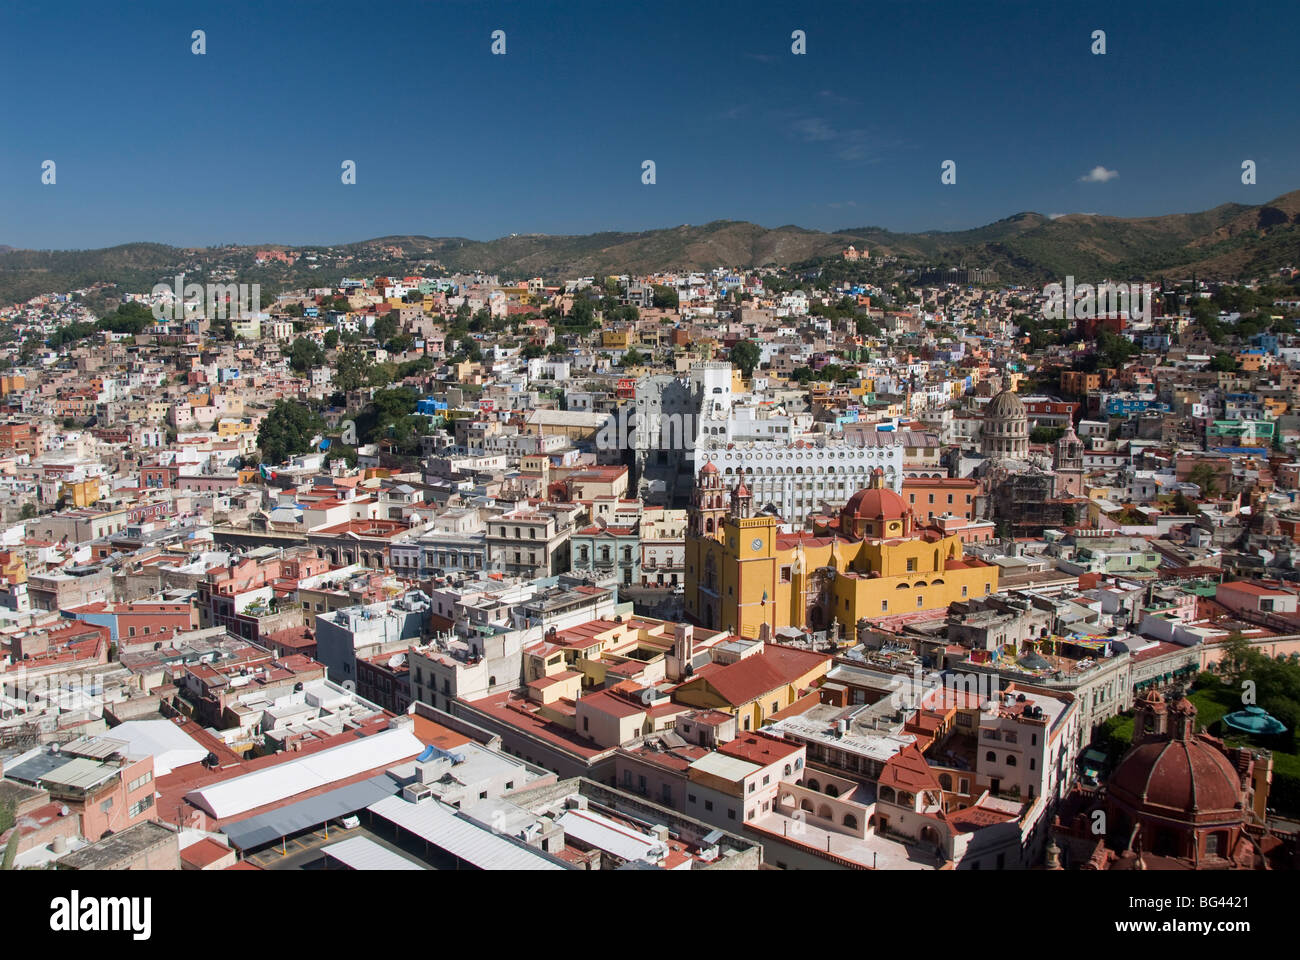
{"points": [[111, 850]]}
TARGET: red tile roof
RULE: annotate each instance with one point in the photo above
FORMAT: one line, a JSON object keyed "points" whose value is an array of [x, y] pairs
{"points": [[746, 680], [907, 770]]}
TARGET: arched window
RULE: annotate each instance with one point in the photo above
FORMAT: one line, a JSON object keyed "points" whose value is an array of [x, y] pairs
{"points": [[787, 769], [1011, 759], [806, 804], [813, 784], [850, 821], [991, 757], [832, 790], [887, 794], [824, 811]]}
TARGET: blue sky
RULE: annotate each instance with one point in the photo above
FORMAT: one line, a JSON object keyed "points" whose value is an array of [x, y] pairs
{"points": [[245, 143]]}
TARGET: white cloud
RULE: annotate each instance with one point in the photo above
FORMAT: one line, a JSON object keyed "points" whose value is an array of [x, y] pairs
{"points": [[1098, 175], [815, 129]]}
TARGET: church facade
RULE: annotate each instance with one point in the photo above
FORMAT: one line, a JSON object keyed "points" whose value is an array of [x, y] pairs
{"points": [[873, 560]]}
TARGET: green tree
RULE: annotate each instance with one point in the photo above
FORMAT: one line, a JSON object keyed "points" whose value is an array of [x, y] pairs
{"points": [[633, 357], [129, 318], [288, 431], [305, 354], [867, 327], [331, 339], [745, 355], [1203, 476], [381, 374], [351, 369], [1223, 363], [1204, 313], [665, 298], [385, 327], [29, 511]]}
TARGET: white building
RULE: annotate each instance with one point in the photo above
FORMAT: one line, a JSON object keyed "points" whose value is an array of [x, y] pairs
{"points": [[801, 478]]}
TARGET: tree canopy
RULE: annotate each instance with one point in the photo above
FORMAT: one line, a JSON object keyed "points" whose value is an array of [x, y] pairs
{"points": [[288, 430], [745, 356], [305, 354]]}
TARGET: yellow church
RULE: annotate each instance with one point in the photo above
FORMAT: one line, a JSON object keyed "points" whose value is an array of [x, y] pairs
{"points": [[872, 561]]}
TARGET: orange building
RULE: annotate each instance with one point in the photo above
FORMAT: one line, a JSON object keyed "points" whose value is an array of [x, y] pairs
{"points": [[935, 497], [19, 437], [1077, 383]]}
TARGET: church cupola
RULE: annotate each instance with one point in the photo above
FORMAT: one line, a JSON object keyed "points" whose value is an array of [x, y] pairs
{"points": [[1068, 454], [742, 502], [708, 503]]}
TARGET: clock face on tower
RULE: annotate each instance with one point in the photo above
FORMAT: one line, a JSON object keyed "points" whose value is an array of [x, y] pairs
{"points": [[758, 543]]}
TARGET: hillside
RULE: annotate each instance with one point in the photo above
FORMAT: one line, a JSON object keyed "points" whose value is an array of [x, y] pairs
{"points": [[1228, 242]]}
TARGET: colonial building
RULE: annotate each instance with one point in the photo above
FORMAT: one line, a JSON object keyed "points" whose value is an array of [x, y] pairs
{"points": [[1177, 800], [873, 560]]}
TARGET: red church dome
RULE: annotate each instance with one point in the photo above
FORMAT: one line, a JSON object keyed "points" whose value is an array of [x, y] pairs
{"points": [[1186, 779], [876, 503]]}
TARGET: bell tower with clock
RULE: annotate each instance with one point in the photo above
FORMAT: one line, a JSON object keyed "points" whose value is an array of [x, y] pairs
{"points": [[756, 595]]}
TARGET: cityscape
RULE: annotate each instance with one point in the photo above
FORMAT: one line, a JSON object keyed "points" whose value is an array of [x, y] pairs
{"points": [[970, 543]]}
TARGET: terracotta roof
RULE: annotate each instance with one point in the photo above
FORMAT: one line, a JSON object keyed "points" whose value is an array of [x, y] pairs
{"points": [[1174, 776], [907, 770], [745, 680], [876, 504]]}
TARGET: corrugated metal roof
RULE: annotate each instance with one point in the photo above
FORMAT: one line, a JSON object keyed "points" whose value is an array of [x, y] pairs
{"points": [[611, 836], [474, 844], [362, 853], [95, 748], [284, 780], [305, 815], [81, 774]]}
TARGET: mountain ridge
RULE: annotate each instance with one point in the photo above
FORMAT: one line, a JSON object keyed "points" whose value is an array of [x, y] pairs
{"points": [[1229, 241]]}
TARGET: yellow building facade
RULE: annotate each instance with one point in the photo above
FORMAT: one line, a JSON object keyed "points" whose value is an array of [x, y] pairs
{"points": [[873, 561]]}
